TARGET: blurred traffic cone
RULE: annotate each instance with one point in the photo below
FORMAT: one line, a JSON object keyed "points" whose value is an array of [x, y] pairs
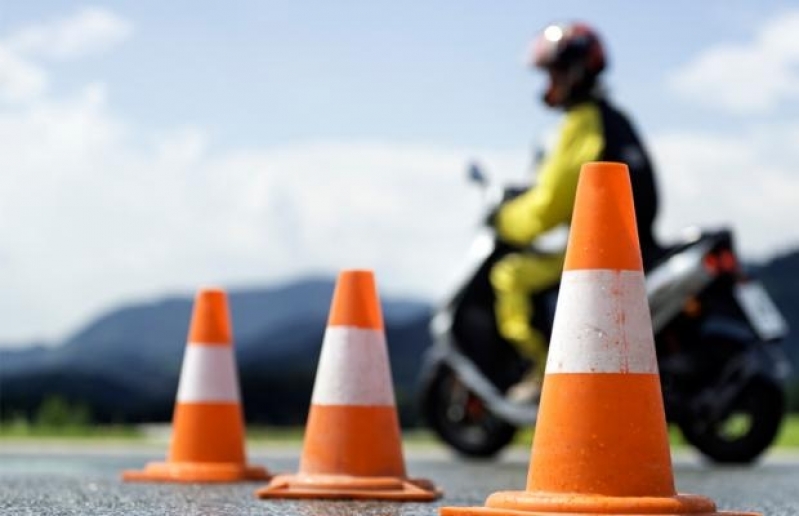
{"points": [[600, 445], [208, 426], [352, 447]]}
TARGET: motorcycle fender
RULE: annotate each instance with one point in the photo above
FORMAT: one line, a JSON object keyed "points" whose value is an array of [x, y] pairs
{"points": [[764, 359], [727, 328], [773, 363], [434, 359], [756, 362]]}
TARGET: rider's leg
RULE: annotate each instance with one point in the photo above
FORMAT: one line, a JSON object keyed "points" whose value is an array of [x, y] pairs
{"points": [[515, 279]]}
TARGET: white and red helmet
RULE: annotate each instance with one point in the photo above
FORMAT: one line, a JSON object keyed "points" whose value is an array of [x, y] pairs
{"points": [[564, 46], [573, 56]]}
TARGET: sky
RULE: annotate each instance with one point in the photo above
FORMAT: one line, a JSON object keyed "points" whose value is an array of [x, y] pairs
{"points": [[148, 149]]}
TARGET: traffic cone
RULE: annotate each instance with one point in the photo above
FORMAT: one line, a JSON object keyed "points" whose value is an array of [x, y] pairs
{"points": [[600, 445], [207, 426], [352, 447]]}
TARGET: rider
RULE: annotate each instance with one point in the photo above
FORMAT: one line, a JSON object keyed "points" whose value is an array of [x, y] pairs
{"points": [[592, 130]]}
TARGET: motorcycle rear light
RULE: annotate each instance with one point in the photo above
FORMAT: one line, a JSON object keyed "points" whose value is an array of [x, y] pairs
{"points": [[724, 261], [711, 263], [728, 262]]}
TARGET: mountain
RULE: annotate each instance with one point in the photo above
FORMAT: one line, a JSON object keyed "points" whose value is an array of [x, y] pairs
{"points": [[125, 364]]}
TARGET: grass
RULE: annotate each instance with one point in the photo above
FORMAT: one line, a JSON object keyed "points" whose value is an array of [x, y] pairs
{"points": [[525, 437], [19, 429], [789, 434]]}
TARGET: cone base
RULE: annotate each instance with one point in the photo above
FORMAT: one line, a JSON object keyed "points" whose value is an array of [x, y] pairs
{"points": [[487, 511], [196, 472], [346, 487], [526, 503]]}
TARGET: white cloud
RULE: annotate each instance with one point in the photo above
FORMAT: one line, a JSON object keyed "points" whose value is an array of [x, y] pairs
{"points": [[752, 78], [90, 31], [93, 216], [747, 181], [19, 79], [98, 212]]}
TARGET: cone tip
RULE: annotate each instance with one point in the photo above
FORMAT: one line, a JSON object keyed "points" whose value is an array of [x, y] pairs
{"points": [[212, 293], [356, 275], [210, 321], [604, 167], [355, 301], [603, 230]]}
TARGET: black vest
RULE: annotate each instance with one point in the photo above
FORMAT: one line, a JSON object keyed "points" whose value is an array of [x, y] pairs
{"points": [[622, 144]]}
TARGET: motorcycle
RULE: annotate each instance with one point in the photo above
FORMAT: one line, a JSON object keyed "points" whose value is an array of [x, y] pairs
{"points": [[717, 339]]}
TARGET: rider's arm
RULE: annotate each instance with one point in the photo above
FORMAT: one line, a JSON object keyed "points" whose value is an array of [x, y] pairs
{"points": [[551, 201]]}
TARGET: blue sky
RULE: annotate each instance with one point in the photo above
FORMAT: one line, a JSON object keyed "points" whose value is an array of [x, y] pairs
{"points": [[149, 148]]}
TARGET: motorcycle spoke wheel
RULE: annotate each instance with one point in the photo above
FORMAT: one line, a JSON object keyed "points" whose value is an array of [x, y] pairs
{"points": [[468, 410], [746, 432], [462, 420]]}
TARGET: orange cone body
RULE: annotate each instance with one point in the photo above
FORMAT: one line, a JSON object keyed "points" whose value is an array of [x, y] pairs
{"points": [[600, 445], [352, 447], [207, 426]]}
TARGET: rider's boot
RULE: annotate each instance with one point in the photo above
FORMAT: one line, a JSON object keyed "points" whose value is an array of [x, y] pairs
{"points": [[528, 389], [513, 325]]}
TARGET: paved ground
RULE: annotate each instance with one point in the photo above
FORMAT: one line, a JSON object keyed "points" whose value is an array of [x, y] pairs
{"points": [[65, 480]]}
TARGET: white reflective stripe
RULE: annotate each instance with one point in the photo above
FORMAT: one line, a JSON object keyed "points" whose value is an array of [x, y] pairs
{"points": [[208, 375], [353, 368], [602, 324]]}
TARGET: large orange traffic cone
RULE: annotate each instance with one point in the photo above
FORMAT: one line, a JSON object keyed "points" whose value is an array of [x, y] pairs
{"points": [[352, 447], [208, 425], [600, 445]]}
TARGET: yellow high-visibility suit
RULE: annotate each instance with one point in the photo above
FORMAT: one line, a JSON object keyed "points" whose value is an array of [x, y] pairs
{"points": [[591, 131]]}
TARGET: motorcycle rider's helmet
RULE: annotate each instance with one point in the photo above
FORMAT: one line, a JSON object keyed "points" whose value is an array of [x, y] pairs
{"points": [[573, 56]]}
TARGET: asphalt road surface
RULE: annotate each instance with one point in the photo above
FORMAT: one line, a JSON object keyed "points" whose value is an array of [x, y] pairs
{"points": [[65, 480]]}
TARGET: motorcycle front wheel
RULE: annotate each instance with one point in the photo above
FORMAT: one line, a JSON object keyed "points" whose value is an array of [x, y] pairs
{"points": [[748, 429], [462, 420]]}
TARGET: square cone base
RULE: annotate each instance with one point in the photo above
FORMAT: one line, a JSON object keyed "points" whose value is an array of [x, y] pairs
{"points": [[196, 472], [345, 487], [525, 503]]}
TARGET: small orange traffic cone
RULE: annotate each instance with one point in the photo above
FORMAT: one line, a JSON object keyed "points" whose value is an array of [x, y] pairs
{"points": [[600, 445], [352, 447], [208, 425]]}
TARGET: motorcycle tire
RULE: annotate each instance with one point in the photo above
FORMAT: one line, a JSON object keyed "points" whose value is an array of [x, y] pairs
{"points": [[761, 406], [462, 420]]}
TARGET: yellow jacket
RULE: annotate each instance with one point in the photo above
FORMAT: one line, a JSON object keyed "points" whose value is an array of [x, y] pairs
{"points": [[550, 201]]}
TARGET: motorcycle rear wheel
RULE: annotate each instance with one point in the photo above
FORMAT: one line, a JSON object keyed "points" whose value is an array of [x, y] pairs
{"points": [[462, 420], [747, 431]]}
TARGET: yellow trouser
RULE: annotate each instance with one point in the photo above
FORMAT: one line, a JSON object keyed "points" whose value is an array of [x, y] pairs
{"points": [[515, 278]]}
